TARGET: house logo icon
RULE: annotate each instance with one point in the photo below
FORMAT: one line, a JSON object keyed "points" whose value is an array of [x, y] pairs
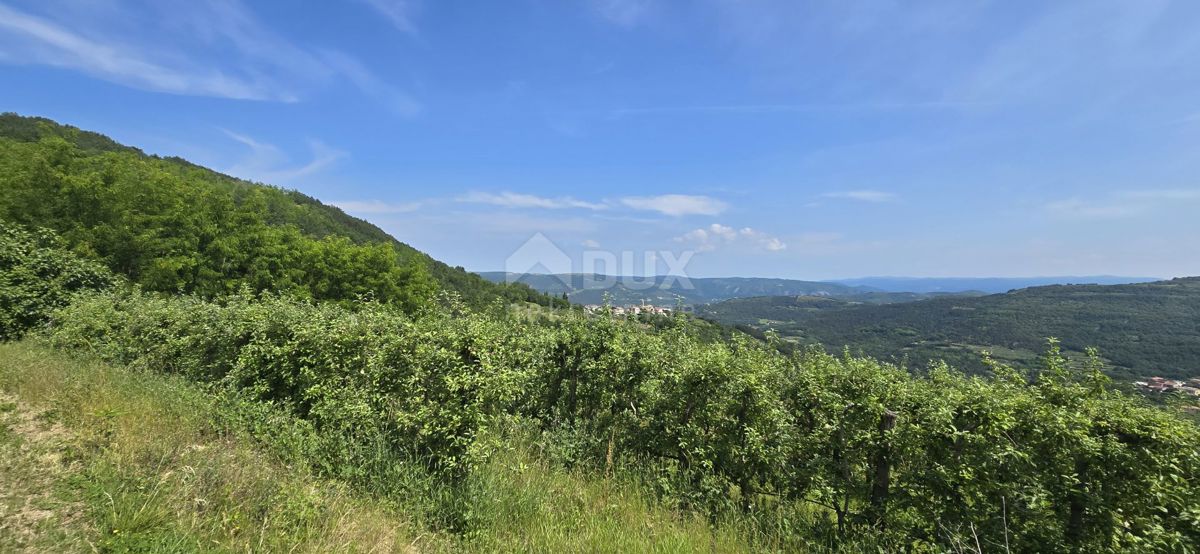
{"points": [[537, 255]]}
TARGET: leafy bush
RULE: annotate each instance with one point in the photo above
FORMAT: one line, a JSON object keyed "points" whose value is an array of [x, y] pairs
{"points": [[729, 428], [38, 275]]}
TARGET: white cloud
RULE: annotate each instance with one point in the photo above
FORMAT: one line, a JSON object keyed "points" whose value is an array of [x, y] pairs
{"points": [[773, 244], [875, 196], [722, 231], [589, 243], [377, 207], [399, 13], [716, 235], [266, 163], [517, 200], [763, 240], [214, 48], [676, 204]]}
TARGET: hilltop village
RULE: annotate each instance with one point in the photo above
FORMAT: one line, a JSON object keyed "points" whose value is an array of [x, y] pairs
{"points": [[1160, 385], [633, 309]]}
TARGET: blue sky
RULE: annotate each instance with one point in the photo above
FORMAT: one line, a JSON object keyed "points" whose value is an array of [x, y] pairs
{"points": [[768, 137]]}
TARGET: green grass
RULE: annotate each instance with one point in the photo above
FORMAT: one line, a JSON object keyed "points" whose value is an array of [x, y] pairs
{"points": [[133, 462], [101, 458]]}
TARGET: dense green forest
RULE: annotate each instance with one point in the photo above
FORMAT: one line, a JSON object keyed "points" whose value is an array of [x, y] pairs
{"points": [[1142, 329], [173, 226], [421, 401]]}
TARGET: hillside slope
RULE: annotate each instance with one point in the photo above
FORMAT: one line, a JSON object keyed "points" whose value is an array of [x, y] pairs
{"points": [[95, 456], [174, 226], [1142, 329]]}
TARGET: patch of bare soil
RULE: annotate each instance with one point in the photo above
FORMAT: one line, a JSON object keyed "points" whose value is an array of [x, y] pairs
{"points": [[34, 517]]}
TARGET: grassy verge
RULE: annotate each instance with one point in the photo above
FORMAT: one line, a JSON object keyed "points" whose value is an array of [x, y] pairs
{"points": [[521, 502], [127, 461], [101, 458]]}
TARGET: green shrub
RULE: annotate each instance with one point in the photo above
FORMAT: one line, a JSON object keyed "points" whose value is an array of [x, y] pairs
{"points": [[37, 275], [722, 428]]}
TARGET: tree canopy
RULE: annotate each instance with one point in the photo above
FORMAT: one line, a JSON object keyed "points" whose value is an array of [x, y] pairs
{"points": [[172, 226]]}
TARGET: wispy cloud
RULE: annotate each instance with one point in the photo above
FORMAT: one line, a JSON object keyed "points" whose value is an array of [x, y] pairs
{"points": [[874, 196], [46, 42], [898, 46], [706, 239], [394, 99], [830, 243], [1122, 204], [1078, 51], [266, 163], [1086, 55], [375, 207], [214, 48], [676, 204], [399, 13], [773, 109], [512, 223], [517, 200], [623, 13], [673, 205], [1163, 194], [1078, 208]]}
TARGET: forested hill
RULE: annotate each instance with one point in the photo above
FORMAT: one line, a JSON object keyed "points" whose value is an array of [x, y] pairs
{"points": [[174, 226], [1143, 329], [985, 284]]}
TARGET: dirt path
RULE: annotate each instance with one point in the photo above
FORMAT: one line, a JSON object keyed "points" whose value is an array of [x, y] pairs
{"points": [[35, 512]]}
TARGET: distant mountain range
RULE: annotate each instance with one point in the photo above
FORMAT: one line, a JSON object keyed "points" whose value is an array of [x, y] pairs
{"points": [[983, 284], [586, 288], [1142, 329]]}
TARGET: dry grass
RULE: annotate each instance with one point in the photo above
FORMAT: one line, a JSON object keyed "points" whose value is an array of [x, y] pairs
{"points": [[34, 517]]}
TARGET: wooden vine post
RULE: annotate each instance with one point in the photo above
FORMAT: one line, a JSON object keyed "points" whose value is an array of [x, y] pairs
{"points": [[882, 470]]}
